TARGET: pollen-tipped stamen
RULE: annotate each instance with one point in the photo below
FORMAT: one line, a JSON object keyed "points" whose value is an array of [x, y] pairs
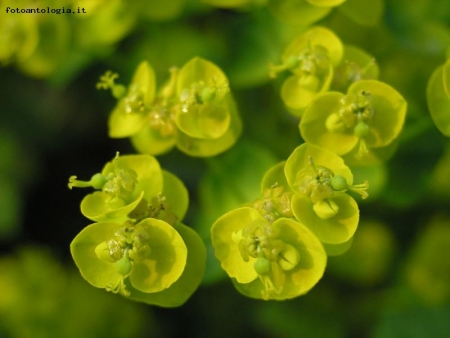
{"points": [[360, 189]]}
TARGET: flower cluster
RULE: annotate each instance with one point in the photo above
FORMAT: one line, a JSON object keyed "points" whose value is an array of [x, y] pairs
{"points": [[138, 246], [277, 246], [194, 111], [359, 124]]}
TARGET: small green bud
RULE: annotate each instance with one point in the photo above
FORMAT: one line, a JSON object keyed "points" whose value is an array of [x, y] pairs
{"points": [[123, 266], [339, 183], [207, 94], [262, 266], [361, 129], [292, 62], [119, 91], [98, 181]]}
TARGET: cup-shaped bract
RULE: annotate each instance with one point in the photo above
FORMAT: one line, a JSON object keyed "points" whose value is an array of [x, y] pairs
{"points": [[311, 58], [275, 200], [151, 254], [201, 89], [180, 291], [279, 260], [320, 180], [124, 183], [371, 115], [438, 99], [206, 147], [355, 65], [130, 114]]}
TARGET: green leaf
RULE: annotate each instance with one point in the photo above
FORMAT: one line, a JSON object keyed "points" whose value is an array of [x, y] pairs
{"points": [[363, 12], [297, 12]]}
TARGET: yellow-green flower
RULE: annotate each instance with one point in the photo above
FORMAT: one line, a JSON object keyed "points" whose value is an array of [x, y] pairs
{"points": [[311, 58], [369, 116], [320, 180], [124, 183], [151, 254], [278, 260]]}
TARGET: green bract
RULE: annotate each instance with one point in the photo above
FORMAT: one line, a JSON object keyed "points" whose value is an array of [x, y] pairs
{"points": [[438, 100], [297, 12], [276, 195], [124, 183], [363, 12], [151, 254], [446, 77], [131, 112], [371, 115], [179, 292], [311, 58], [278, 260], [194, 110], [356, 65], [201, 88], [319, 180]]}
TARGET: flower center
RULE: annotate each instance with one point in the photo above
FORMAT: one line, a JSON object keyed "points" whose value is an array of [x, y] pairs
{"points": [[274, 204]]}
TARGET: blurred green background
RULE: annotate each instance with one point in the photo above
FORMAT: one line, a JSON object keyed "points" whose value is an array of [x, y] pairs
{"points": [[393, 282]]}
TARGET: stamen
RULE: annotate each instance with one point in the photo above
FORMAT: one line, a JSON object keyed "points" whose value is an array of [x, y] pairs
{"points": [[107, 81], [363, 150], [361, 189]]}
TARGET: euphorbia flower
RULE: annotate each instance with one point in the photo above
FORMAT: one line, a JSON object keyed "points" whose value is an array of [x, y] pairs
{"points": [[311, 58], [320, 180], [151, 254], [124, 182], [278, 260], [193, 110], [370, 115]]}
